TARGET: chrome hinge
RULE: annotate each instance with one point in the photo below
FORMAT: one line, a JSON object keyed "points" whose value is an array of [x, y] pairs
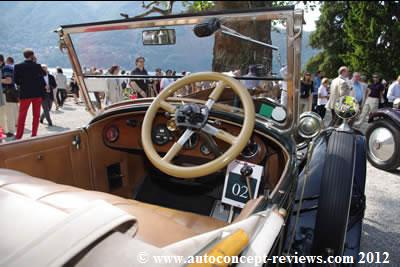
{"points": [[76, 142]]}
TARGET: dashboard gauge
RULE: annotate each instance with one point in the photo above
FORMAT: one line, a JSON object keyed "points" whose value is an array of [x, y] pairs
{"points": [[111, 134], [205, 150], [171, 125], [192, 142], [250, 150], [160, 134]]}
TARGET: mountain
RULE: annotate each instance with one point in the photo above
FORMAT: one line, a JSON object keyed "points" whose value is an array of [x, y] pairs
{"points": [[32, 24]]}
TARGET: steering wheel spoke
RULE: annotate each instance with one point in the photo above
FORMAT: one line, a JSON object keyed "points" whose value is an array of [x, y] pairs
{"points": [[220, 134], [177, 146], [167, 106], [215, 94]]}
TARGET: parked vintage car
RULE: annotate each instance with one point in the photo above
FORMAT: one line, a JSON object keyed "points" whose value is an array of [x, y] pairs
{"points": [[178, 176], [383, 137]]}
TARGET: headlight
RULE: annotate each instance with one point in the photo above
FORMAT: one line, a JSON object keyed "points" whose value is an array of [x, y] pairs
{"points": [[310, 125], [347, 107]]}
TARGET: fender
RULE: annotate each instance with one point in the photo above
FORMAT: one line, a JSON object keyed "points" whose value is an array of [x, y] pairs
{"points": [[386, 113], [305, 227]]}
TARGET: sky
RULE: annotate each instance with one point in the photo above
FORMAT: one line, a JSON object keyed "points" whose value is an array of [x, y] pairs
{"points": [[310, 17]]}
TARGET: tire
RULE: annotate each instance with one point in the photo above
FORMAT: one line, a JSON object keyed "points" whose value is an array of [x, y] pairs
{"points": [[335, 195], [383, 155]]}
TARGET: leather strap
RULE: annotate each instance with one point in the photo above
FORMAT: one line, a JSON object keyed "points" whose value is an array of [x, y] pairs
{"points": [[69, 237]]}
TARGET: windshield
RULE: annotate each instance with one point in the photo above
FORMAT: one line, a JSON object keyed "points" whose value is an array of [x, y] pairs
{"points": [[142, 61]]}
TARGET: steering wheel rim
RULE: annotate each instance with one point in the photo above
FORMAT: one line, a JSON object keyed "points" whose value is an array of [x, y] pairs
{"points": [[237, 143]]}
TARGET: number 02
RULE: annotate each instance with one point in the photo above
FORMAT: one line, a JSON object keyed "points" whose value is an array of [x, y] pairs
{"points": [[237, 190]]}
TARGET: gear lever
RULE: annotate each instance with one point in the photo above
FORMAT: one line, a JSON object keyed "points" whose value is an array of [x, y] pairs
{"points": [[246, 171]]}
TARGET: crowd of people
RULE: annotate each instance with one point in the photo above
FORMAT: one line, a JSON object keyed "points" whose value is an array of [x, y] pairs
{"points": [[30, 83], [121, 88], [318, 93]]}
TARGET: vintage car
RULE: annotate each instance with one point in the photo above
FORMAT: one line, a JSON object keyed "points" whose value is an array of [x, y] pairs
{"points": [[228, 173], [383, 137]]}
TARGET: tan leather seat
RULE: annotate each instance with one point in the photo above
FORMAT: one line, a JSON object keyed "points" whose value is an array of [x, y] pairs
{"points": [[156, 225]]}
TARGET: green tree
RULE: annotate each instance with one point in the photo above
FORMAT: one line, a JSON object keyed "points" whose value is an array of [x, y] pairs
{"points": [[330, 37], [362, 35], [373, 29]]}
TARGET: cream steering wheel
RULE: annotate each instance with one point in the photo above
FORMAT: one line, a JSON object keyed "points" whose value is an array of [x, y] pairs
{"points": [[197, 115]]}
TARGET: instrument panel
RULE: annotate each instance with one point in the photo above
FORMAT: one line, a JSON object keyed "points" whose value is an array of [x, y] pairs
{"points": [[124, 133]]}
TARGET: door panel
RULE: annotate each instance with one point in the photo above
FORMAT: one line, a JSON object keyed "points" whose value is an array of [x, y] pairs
{"points": [[52, 157]]}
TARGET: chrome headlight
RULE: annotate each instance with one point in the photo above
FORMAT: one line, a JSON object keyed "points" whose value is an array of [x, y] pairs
{"points": [[310, 125], [347, 107]]}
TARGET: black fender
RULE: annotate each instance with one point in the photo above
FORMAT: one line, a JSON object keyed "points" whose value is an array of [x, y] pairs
{"points": [[304, 230], [386, 113]]}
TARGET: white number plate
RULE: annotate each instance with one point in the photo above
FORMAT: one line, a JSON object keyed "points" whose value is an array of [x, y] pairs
{"points": [[236, 191]]}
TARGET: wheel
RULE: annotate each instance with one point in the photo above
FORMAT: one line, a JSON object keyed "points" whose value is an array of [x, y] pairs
{"points": [[383, 145], [335, 195], [194, 117]]}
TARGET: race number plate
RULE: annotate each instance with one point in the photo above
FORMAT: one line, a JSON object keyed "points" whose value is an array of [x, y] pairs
{"points": [[236, 191]]}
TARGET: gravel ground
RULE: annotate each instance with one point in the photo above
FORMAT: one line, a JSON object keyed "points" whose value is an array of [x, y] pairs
{"points": [[381, 228]]}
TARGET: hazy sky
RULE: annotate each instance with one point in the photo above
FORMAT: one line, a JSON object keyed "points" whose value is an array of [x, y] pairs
{"points": [[310, 17]]}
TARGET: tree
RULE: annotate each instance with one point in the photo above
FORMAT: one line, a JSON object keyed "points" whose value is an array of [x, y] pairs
{"points": [[329, 36], [362, 35], [373, 29], [229, 53]]}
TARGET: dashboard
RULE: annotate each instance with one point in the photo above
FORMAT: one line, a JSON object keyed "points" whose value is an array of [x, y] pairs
{"points": [[124, 133]]}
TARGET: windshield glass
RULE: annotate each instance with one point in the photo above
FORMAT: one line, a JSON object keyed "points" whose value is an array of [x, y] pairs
{"points": [[144, 61]]}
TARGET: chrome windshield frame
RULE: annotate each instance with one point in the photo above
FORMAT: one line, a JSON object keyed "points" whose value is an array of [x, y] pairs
{"points": [[294, 21]]}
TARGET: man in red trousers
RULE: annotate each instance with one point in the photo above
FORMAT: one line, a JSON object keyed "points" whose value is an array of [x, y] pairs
{"points": [[28, 76]]}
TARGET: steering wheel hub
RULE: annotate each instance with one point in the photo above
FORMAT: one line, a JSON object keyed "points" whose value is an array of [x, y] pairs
{"points": [[192, 116]]}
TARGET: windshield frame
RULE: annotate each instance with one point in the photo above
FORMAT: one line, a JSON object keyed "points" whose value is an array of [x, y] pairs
{"points": [[294, 21]]}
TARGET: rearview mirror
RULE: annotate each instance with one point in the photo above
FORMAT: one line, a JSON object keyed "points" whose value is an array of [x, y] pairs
{"points": [[159, 37]]}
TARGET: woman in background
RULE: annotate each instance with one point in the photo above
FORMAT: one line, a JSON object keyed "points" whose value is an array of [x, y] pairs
{"points": [[74, 88], [306, 88], [323, 97], [114, 92]]}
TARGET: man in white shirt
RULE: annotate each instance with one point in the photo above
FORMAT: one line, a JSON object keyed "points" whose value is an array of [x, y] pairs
{"points": [[394, 91], [339, 87]]}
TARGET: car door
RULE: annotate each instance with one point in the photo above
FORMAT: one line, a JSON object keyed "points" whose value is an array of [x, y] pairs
{"points": [[61, 158]]}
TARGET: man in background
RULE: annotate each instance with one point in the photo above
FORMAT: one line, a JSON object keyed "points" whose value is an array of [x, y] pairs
{"points": [[252, 73], [2, 99], [339, 87], [47, 101], [28, 76], [358, 88], [11, 94], [140, 86], [317, 84], [393, 91]]}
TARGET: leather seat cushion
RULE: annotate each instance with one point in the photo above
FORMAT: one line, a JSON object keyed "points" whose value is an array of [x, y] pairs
{"points": [[157, 225]]}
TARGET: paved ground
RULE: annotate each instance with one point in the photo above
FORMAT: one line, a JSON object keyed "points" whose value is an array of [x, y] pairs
{"points": [[381, 229]]}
